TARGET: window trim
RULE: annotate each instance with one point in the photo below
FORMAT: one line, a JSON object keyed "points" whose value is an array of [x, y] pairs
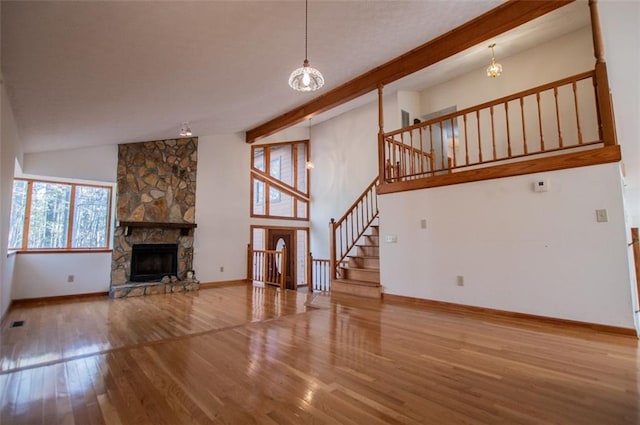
{"points": [[264, 176], [27, 219]]}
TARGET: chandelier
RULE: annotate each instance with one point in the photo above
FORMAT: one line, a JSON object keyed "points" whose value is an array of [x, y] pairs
{"points": [[495, 69], [306, 78]]}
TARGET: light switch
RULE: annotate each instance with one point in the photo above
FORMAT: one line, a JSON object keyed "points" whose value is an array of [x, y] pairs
{"points": [[601, 216], [391, 238], [423, 223]]}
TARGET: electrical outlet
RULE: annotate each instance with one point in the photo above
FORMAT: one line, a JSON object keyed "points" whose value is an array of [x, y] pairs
{"points": [[221, 268], [71, 278], [460, 280]]}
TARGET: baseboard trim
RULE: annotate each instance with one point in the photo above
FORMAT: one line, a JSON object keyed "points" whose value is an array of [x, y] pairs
{"points": [[485, 311], [60, 298], [239, 282]]}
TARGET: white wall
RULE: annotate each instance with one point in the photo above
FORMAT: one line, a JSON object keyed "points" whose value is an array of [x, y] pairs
{"points": [[98, 163], [222, 208], [563, 57], [535, 253], [45, 275], [408, 101], [345, 155], [9, 150], [620, 20]]}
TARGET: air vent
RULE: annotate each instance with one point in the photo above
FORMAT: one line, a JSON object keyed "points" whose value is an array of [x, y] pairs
{"points": [[17, 323]]}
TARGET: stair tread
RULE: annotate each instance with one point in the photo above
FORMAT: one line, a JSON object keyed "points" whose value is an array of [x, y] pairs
{"points": [[367, 245], [358, 282], [365, 269]]}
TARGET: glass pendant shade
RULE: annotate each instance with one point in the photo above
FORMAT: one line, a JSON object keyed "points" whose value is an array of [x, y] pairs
{"points": [[306, 78], [495, 69]]}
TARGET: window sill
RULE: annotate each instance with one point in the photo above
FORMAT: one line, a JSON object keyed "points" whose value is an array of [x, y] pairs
{"points": [[62, 251]]}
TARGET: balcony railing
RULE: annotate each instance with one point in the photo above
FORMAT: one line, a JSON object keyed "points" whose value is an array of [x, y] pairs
{"points": [[546, 120]]}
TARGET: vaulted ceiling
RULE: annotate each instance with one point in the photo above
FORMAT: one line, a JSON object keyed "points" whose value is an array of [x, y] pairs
{"points": [[96, 72]]}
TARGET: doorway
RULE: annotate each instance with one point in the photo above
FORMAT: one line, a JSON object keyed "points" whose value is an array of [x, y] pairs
{"points": [[296, 241]]}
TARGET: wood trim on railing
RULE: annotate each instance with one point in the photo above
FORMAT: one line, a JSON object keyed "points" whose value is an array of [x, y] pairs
{"points": [[412, 149], [506, 16], [604, 155]]}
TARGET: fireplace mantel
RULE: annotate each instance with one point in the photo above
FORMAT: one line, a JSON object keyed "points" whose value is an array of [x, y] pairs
{"points": [[129, 225]]}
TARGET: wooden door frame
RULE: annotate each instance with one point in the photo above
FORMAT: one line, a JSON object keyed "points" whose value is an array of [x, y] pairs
{"points": [[294, 228]]}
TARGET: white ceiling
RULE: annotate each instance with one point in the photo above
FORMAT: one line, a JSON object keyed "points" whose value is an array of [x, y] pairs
{"points": [[94, 72]]}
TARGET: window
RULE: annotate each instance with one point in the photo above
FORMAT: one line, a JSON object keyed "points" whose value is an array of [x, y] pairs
{"points": [[279, 179], [53, 215]]}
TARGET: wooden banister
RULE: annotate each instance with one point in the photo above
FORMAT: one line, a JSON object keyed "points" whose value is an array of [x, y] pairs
{"points": [[565, 106], [344, 233]]}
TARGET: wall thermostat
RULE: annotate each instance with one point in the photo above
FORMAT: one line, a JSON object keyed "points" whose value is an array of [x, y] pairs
{"points": [[541, 185]]}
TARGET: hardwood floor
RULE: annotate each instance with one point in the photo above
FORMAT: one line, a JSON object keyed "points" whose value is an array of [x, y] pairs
{"points": [[243, 355]]}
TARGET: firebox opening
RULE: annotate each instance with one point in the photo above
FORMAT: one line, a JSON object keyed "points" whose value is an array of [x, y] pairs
{"points": [[152, 262]]}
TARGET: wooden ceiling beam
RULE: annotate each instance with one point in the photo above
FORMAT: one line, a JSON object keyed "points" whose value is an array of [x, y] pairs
{"points": [[503, 18]]}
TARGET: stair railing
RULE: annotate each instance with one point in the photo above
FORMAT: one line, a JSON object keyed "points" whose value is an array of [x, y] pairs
{"points": [[344, 233], [267, 266], [559, 116]]}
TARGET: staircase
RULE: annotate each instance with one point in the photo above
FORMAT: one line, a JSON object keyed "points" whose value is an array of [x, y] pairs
{"points": [[354, 248], [361, 274]]}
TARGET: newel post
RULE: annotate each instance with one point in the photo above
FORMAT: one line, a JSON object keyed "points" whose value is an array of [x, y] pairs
{"points": [[283, 267], [332, 251], [310, 274], [381, 158], [249, 264], [603, 92]]}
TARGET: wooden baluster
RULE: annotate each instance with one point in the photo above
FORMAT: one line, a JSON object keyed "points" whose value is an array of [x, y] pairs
{"points": [[443, 147], [524, 133], [479, 138], [411, 169], [506, 117], [265, 275], [540, 122], [283, 267], [421, 150], [466, 141], [453, 142], [555, 96], [403, 154], [381, 157], [575, 103], [493, 133]]}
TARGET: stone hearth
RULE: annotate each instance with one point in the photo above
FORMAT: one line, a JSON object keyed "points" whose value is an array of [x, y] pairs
{"points": [[156, 204]]}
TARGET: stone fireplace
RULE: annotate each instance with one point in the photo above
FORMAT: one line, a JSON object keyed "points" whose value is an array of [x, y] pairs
{"points": [[156, 199]]}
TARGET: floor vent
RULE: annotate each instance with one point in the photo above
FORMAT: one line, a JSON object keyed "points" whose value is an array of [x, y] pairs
{"points": [[17, 323]]}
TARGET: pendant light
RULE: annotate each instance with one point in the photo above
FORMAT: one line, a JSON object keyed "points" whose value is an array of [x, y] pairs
{"points": [[185, 130], [306, 78], [495, 69]]}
